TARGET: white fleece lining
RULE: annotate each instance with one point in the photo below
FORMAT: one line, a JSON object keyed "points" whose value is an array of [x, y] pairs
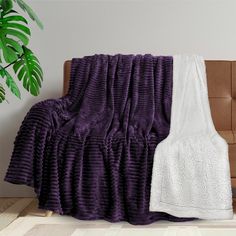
{"points": [[191, 174]]}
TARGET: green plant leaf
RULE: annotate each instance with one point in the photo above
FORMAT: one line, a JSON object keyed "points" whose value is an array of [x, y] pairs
{"points": [[2, 94], [28, 71], [10, 82], [6, 5], [30, 12], [12, 34]]}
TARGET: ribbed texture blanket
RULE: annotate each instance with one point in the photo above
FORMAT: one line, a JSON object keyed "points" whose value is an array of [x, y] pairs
{"points": [[90, 153], [191, 175]]}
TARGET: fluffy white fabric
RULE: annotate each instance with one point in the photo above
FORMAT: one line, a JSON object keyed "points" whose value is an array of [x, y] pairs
{"points": [[191, 175]]}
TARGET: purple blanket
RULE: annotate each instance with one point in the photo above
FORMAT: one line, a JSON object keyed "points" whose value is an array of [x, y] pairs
{"points": [[89, 154]]}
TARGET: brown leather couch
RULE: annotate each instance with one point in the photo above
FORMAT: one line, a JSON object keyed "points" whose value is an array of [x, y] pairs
{"points": [[221, 77]]}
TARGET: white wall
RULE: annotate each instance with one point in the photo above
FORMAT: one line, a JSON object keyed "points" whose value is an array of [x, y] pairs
{"points": [[77, 28]]}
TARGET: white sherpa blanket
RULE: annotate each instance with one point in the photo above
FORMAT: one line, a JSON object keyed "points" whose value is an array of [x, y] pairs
{"points": [[191, 175]]}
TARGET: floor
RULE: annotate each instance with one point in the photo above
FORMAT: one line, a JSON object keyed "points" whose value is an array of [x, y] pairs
{"points": [[12, 209]]}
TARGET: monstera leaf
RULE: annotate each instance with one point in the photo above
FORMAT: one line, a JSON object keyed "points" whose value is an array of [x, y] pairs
{"points": [[30, 12], [2, 94], [10, 82], [14, 37], [12, 32], [6, 5], [29, 71]]}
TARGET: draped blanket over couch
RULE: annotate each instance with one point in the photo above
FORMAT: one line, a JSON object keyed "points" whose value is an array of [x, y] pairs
{"points": [[90, 154], [191, 174]]}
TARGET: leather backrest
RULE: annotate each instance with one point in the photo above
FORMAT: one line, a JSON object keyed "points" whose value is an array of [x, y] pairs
{"points": [[67, 66], [221, 80], [234, 96]]}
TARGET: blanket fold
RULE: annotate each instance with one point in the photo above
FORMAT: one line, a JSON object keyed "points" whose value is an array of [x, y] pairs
{"points": [[90, 154], [191, 175]]}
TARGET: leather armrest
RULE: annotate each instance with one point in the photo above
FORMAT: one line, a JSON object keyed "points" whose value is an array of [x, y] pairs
{"points": [[228, 135]]}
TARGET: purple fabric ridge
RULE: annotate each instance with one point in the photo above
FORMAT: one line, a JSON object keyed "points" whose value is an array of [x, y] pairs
{"points": [[89, 154]]}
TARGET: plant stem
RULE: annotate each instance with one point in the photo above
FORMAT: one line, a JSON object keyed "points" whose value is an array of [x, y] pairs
{"points": [[13, 61]]}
